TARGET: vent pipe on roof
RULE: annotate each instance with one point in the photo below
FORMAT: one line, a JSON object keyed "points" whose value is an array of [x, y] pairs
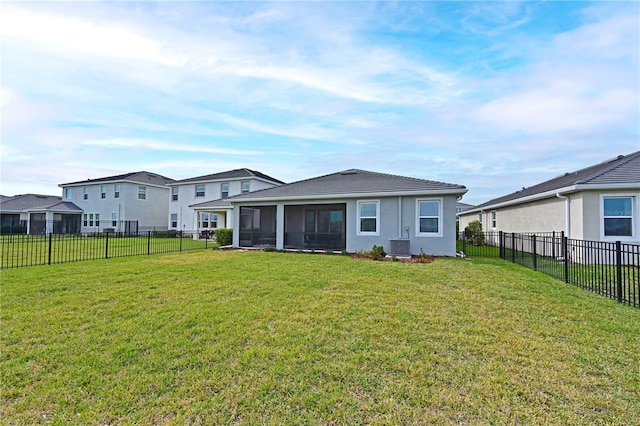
{"points": [[567, 213]]}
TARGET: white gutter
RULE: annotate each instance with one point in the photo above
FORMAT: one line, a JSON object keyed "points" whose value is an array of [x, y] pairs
{"points": [[567, 212]]}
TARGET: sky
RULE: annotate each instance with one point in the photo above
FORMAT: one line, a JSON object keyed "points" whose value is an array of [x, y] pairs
{"points": [[495, 96]]}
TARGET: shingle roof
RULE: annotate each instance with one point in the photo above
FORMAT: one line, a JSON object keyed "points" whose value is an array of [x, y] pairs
{"points": [[624, 169], [139, 177], [26, 202], [353, 181], [219, 203], [230, 174]]}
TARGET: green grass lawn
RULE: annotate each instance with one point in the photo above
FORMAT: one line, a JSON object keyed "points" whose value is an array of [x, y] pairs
{"points": [[270, 338]]}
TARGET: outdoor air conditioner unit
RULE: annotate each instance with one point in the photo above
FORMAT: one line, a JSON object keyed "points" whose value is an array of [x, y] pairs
{"points": [[399, 247]]}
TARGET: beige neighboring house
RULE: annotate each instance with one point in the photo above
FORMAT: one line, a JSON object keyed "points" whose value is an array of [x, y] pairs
{"points": [[199, 204], [597, 203], [129, 203]]}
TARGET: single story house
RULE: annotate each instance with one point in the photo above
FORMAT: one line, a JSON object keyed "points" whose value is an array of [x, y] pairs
{"points": [[129, 203], [37, 214], [351, 210], [597, 203], [199, 203]]}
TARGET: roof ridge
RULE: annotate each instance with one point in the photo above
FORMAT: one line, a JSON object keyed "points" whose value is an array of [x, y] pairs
{"points": [[620, 160]]}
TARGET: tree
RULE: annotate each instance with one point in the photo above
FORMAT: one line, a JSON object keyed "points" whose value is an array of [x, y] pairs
{"points": [[473, 233]]}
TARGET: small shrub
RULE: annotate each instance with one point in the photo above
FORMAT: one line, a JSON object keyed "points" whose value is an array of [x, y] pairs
{"points": [[344, 253], [328, 252], [224, 236], [473, 233], [394, 258], [269, 249], [377, 252]]}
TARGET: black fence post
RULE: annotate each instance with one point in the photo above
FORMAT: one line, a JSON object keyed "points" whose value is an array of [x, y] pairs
{"points": [[50, 246], [106, 245], [501, 245], [553, 245], [535, 259], [464, 243], [513, 247], [148, 242], [619, 271], [180, 236], [565, 254]]}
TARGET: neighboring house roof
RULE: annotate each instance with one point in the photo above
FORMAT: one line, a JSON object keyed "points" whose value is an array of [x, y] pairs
{"points": [[620, 172], [230, 174], [464, 206], [32, 202], [353, 182], [147, 178], [220, 203]]}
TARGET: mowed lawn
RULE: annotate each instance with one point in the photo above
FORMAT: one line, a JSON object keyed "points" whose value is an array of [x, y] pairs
{"points": [[230, 337]]}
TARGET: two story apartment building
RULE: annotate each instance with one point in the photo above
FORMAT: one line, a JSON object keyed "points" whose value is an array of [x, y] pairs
{"points": [[199, 203], [128, 203]]}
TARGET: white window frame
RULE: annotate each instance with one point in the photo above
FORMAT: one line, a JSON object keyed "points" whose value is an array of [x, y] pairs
{"points": [[222, 191], [359, 217], [242, 186], [633, 217], [175, 192], [68, 193], [116, 190], [174, 220], [85, 193], [439, 217], [103, 192], [142, 192], [200, 194], [494, 219], [114, 219]]}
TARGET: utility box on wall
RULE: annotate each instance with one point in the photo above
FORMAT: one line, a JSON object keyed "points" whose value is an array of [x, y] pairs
{"points": [[399, 247]]}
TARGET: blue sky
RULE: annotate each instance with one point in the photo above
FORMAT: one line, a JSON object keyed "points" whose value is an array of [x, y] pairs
{"points": [[494, 96]]}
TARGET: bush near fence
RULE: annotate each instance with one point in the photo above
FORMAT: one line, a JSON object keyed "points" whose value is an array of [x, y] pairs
{"points": [[611, 269]]}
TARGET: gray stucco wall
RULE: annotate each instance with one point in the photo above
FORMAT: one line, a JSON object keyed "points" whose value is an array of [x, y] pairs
{"points": [[396, 213]]}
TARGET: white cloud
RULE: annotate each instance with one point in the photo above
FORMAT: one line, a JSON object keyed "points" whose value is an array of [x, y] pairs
{"points": [[165, 146]]}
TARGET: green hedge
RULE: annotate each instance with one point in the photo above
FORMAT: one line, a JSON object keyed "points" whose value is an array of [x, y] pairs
{"points": [[224, 236]]}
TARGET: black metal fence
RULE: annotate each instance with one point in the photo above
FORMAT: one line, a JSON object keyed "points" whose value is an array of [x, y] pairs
{"points": [[611, 269], [30, 250]]}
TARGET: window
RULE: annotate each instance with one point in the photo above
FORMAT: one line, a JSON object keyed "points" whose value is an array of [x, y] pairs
{"points": [[116, 190], [368, 217], [494, 220], [142, 193], [174, 193], [246, 186], [90, 219], [429, 217], [208, 220], [174, 220], [85, 220], [103, 191], [86, 193], [68, 193], [114, 219], [617, 216], [199, 190], [97, 219], [224, 190]]}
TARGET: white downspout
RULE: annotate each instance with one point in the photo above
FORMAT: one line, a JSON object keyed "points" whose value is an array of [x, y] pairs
{"points": [[399, 217], [567, 212]]}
